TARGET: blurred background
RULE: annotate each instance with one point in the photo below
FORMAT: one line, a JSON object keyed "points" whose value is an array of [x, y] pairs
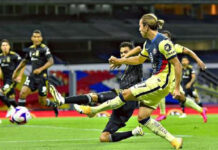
{"points": [[83, 34]]}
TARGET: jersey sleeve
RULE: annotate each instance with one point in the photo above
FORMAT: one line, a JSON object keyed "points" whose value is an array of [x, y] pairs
{"points": [[144, 52], [27, 56], [47, 52], [179, 48], [167, 48], [192, 71], [17, 58]]}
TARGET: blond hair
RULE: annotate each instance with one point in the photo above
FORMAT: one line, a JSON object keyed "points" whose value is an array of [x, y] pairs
{"points": [[152, 21]]}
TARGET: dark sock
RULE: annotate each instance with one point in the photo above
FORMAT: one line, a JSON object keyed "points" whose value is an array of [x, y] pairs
{"points": [[13, 102], [80, 99], [120, 136], [21, 102], [200, 104], [49, 103], [182, 104], [5, 100]]}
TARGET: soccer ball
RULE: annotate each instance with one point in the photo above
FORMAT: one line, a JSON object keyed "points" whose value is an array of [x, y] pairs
{"points": [[20, 116]]}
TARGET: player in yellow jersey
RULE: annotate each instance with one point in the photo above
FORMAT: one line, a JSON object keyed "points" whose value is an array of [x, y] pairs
{"points": [[165, 79], [186, 101], [183, 99]]}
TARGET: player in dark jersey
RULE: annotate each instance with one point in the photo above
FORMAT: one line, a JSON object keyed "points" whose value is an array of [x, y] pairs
{"points": [[9, 60], [165, 79], [41, 59], [188, 79], [131, 76]]}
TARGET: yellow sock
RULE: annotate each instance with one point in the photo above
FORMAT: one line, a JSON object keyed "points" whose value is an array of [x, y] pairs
{"points": [[190, 103], [108, 105], [162, 106], [158, 129]]}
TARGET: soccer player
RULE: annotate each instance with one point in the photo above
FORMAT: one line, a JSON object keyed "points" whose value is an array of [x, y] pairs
{"points": [[166, 78], [41, 59], [131, 76], [9, 60], [184, 99], [188, 79]]}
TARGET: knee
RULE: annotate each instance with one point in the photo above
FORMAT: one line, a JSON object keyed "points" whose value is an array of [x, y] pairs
{"points": [[182, 98], [143, 121], [94, 97], [23, 94], [126, 93], [105, 137], [141, 117]]}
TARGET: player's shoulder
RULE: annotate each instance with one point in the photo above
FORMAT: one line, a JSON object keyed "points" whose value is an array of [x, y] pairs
{"points": [[13, 53], [43, 46], [165, 44], [177, 45], [32, 46], [190, 66]]}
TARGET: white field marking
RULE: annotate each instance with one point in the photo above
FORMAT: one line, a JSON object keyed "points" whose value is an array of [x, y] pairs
{"points": [[85, 129], [184, 135], [64, 128], [88, 139], [55, 140]]}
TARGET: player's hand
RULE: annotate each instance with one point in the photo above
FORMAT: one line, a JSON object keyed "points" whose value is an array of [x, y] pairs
{"points": [[188, 86], [18, 79], [202, 65], [37, 71], [113, 66], [176, 94], [114, 60]]}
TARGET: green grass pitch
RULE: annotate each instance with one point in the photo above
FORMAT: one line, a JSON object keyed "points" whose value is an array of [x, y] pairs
{"points": [[83, 134]]}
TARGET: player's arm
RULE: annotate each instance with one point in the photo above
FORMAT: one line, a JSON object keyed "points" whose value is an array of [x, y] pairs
{"points": [[19, 68], [189, 84], [181, 49], [48, 64], [135, 60], [134, 51], [195, 57], [167, 48], [17, 60], [178, 73]]}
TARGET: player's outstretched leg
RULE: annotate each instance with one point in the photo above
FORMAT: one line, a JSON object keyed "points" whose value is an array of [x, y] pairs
{"points": [[10, 111], [54, 106], [108, 105], [118, 136], [162, 106], [190, 103], [60, 100], [157, 128], [5, 100]]}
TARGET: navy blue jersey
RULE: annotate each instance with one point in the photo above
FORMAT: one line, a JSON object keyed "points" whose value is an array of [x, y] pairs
{"points": [[9, 63], [38, 56]]}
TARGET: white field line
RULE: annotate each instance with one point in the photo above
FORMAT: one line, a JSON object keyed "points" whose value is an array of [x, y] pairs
{"points": [[52, 127], [55, 140], [87, 139], [63, 128], [66, 128]]}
